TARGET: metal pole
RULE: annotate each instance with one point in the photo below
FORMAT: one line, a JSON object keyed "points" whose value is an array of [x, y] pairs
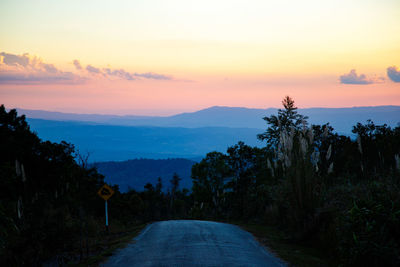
{"points": [[106, 217]]}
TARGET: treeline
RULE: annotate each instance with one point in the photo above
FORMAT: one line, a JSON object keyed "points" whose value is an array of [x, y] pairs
{"points": [[49, 207], [136, 173], [327, 190], [46, 199]]}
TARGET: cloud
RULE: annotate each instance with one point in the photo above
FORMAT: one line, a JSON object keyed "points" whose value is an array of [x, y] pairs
{"points": [[49, 68], [155, 76], [353, 78], [24, 69], [120, 73], [15, 60], [77, 64], [393, 73], [92, 69], [39, 78]]}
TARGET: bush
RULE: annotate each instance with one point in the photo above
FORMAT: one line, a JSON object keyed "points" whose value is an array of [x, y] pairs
{"points": [[370, 230]]}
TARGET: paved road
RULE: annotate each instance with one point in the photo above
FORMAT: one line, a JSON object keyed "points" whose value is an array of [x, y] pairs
{"points": [[193, 243]]}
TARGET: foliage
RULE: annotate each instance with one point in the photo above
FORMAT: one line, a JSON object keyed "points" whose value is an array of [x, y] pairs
{"points": [[47, 199], [337, 194], [369, 229], [287, 120], [50, 207], [209, 183]]}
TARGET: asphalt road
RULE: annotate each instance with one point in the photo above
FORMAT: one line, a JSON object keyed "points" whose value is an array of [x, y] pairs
{"points": [[193, 243]]}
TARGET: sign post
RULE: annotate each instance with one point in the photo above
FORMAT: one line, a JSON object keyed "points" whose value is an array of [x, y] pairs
{"points": [[105, 192], [106, 216]]}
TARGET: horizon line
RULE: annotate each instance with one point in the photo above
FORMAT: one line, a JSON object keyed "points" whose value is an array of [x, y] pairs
{"points": [[186, 112]]}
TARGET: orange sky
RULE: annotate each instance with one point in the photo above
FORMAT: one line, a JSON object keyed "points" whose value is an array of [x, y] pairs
{"points": [[159, 58]]}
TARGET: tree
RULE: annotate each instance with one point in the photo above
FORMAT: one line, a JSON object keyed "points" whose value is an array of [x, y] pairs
{"points": [[209, 177], [287, 119], [159, 185], [175, 183], [47, 195], [241, 160], [377, 147]]}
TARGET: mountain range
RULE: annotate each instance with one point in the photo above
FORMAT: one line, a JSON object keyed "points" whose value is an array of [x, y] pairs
{"points": [[185, 135], [342, 119], [134, 150]]}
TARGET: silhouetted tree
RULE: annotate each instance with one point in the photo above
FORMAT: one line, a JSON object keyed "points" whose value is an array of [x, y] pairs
{"points": [[287, 119], [209, 179]]}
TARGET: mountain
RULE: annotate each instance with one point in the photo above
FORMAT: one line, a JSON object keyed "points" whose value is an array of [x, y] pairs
{"points": [[61, 116], [186, 135], [342, 119], [137, 173], [210, 117], [111, 142]]}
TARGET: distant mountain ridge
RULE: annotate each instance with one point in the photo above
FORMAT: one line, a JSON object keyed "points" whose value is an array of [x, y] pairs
{"points": [[342, 119], [186, 135]]}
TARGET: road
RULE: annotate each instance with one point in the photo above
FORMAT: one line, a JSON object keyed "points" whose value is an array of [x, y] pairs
{"points": [[193, 243]]}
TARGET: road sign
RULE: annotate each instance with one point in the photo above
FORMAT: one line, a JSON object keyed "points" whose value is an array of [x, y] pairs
{"points": [[105, 192]]}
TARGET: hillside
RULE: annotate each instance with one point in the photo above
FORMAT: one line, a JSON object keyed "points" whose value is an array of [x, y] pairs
{"points": [[137, 173]]}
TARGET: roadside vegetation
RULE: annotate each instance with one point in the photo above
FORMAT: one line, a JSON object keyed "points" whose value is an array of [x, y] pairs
{"points": [[313, 196], [338, 195], [49, 208]]}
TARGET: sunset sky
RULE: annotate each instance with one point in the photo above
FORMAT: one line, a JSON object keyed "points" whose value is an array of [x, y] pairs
{"points": [[161, 57]]}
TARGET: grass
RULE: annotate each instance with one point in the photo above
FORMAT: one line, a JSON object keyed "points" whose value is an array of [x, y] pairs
{"points": [[106, 244], [294, 254]]}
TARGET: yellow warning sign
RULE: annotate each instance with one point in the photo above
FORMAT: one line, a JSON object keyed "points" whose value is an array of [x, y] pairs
{"points": [[105, 192]]}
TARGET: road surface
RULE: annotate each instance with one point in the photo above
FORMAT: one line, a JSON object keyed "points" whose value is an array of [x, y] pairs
{"points": [[193, 243]]}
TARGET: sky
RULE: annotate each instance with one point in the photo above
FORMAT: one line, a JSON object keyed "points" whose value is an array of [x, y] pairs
{"points": [[161, 57]]}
